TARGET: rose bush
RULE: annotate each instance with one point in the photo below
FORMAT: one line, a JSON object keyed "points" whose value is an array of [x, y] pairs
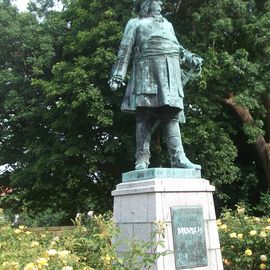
{"points": [[87, 247], [245, 240]]}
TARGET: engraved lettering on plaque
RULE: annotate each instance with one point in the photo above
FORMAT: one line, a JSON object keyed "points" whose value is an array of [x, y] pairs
{"points": [[188, 237]]}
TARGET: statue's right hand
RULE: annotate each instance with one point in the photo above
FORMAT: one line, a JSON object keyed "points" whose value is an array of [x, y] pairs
{"points": [[115, 83], [114, 86]]}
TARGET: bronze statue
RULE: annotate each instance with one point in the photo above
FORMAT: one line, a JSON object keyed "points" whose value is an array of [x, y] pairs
{"points": [[155, 87]]}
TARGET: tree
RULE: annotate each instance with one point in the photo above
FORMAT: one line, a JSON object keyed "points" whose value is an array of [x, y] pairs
{"points": [[68, 147], [87, 152], [27, 52], [62, 129], [232, 97]]}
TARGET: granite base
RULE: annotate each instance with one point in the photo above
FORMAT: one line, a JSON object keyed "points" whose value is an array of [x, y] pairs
{"points": [[138, 204]]}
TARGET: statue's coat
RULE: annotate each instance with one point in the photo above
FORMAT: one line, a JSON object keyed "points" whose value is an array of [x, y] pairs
{"points": [[155, 78]]}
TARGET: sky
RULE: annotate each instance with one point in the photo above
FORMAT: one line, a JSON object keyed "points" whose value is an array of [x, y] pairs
{"points": [[21, 4]]}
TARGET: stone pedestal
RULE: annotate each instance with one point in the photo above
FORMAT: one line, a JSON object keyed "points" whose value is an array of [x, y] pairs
{"points": [[139, 203]]}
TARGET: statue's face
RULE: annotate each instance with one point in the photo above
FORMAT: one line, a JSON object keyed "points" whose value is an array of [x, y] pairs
{"points": [[155, 7]]}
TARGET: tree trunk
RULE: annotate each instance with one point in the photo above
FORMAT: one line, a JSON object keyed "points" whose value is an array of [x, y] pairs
{"points": [[262, 145]]}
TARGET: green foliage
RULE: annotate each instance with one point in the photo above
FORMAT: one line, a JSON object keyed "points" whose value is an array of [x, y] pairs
{"points": [[62, 131], [263, 207], [57, 112], [88, 246], [232, 37], [48, 217], [2, 217], [244, 240]]}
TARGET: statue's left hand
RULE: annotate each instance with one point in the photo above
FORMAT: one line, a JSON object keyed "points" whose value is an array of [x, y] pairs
{"points": [[197, 63]]}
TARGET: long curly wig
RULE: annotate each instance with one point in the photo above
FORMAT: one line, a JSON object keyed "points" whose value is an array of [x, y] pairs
{"points": [[142, 7]]}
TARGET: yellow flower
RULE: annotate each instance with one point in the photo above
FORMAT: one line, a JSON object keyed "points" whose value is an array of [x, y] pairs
{"points": [[76, 258], [17, 231], [28, 232], [106, 259], [34, 244], [263, 258], [56, 239], [219, 223], [10, 265], [263, 234], [84, 229], [63, 254], [21, 227], [233, 235], [88, 268], [15, 265], [161, 226], [5, 265], [248, 252], [53, 243], [223, 227], [43, 235], [267, 228], [268, 220], [262, 266], [253, 232], [30, 266], [51, 252], [257, 219], [42, 261], [241, 210], [240, 235]]}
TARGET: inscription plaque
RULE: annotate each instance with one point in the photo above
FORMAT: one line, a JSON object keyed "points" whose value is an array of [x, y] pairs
{"points": [[188, 237]]}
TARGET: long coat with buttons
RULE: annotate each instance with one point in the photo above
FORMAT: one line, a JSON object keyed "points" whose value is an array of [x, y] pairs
{"points": [[155, 79]]}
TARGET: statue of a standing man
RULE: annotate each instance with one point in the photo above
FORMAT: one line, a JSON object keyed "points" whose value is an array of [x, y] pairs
{"points": [[155, 89]]}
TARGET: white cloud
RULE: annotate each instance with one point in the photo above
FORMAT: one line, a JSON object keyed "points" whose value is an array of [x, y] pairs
{"points": [[21, 4]]}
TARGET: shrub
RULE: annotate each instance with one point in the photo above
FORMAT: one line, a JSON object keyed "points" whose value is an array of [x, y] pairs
{"points": [[48, 217], [43, 218], [87, 247], [245, 240]]}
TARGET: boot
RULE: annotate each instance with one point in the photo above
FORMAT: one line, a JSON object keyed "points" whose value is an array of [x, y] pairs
{"points": [[143, 139], [142, 160], [177, 155], [176, 152]]}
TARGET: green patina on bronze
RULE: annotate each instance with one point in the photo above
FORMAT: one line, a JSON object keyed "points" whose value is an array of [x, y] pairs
{"points": [[164, 173], [155, 88], [188, 237]]}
